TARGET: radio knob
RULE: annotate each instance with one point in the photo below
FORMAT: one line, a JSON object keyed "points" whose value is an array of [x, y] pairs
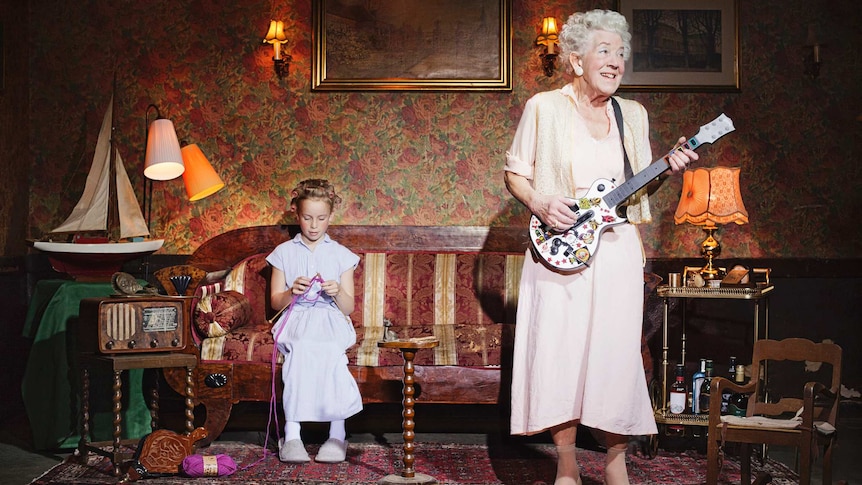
{"points": [[109, 344], [175, 342], [154, 343], [132, 344]]}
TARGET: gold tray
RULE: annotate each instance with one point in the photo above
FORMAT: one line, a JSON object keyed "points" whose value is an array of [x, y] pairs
{"points": [[686, 419], [694, 292]]}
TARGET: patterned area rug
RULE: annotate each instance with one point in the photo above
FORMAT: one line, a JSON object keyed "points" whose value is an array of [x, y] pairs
{"points": [[464, 464]]}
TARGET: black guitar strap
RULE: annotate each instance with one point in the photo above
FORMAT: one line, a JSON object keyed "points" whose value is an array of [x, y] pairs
{"points": [[618, 113]]}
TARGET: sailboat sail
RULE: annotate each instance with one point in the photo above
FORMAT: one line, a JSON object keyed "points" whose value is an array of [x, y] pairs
{"points": [[132, 223], [91, 211]]}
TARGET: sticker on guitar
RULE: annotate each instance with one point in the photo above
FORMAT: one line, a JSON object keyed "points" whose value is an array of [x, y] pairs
{"points": [[571, 249]]}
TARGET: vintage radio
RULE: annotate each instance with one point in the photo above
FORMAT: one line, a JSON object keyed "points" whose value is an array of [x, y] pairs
{"points": [[127, 324]]}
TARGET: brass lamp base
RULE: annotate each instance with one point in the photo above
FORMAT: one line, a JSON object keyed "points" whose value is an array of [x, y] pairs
{"points": [[710, 248]]}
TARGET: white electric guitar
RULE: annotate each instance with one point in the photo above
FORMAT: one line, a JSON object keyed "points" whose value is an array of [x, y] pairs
{"points": [[571, 249]]}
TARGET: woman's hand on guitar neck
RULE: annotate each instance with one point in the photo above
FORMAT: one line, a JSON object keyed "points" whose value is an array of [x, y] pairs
{"points": [[680, 156], [554, 210]]}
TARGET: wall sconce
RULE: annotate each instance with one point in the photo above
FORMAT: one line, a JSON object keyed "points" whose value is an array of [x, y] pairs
{"points": [[276, 36], [548, 38], [812, 62], [711, 196]]}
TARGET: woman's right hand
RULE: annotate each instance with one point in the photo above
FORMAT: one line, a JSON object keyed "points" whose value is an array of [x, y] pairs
{"points": [[554, 210]]}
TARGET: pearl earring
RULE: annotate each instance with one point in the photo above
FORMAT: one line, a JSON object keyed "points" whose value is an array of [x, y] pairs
{"points": [[579, 71]]}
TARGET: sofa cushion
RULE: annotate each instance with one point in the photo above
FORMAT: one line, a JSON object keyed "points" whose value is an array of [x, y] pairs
{"points": [[218, 314]]}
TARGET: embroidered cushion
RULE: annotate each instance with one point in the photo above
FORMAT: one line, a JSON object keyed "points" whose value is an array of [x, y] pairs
{"points": [[217, 314]]}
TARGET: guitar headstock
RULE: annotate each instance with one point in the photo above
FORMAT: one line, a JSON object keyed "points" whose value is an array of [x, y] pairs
{"points": [[715, 129]]}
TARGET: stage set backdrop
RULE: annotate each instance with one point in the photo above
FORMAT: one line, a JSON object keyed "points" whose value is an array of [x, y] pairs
{"points": [[407, 157]]}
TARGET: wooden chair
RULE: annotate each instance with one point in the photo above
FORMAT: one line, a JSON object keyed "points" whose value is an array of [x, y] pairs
{"points": [[819, 410]]}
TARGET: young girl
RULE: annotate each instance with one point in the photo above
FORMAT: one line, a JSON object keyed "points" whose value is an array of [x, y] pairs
{"points": [[317, 273]]}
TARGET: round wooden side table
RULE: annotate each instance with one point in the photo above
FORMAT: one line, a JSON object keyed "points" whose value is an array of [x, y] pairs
{"points": [[408, 348]]}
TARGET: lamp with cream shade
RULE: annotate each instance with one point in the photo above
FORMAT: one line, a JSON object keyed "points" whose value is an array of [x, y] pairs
{"points": [[711, 196], [163, 160]]}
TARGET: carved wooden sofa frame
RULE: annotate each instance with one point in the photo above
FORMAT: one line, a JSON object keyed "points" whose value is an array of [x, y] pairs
{"points": [[456, 282]]}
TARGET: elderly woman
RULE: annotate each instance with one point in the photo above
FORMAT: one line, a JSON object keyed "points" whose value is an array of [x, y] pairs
{"points": [[577, 343]]}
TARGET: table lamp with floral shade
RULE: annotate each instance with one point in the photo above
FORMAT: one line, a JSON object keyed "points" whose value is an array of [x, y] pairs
{"points": [[711, 196]]}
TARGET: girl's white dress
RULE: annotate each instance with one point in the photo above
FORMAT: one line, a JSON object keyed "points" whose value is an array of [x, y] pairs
{"points": [[577, 353], [314, 336]]}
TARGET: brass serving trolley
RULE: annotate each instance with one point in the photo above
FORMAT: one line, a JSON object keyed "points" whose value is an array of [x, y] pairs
{"points": [[758, 294]]}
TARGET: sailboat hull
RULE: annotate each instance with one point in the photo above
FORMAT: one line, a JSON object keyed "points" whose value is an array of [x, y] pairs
{"points": [[95, 262]]}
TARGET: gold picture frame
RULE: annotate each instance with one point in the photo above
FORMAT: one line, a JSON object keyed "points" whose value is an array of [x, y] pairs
{"points": [[412, 45], [682, 47]]}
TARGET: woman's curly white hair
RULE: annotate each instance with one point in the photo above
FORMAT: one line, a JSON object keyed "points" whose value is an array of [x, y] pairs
{"points": [[577, 33]]}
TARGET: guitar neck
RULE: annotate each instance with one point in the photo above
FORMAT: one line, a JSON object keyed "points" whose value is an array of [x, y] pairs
{"points": [[645, 176]]}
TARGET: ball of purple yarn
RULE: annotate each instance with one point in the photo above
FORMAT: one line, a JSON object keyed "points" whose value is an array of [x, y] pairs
{"points": [[193, 466]]}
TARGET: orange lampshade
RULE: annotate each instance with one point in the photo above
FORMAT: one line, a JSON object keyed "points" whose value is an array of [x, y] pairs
{"points": [[711, 196], [200, 178]]}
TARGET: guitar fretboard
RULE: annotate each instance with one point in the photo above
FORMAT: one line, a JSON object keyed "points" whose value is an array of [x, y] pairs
{"points": [[642, 178]]}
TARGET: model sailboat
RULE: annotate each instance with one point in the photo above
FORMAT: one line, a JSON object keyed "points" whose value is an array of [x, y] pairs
{"points": [[108, 196]]}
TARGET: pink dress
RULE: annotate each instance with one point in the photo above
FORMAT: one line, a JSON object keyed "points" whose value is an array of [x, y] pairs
{"points": [[577, 353]]}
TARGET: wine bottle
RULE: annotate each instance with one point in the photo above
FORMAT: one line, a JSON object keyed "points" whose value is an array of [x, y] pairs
{"points": [[738, 403], [696, 381], [726, 393], [678, 391], [705, 388]]}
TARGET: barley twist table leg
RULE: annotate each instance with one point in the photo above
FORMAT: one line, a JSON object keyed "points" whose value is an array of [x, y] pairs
{"points": [[118, 418], [82, 451], [408, 424], [190, 404]]}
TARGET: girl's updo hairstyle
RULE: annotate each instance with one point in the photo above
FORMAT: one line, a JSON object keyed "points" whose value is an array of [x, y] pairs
{"points": [[316, 189], [577, 32]]}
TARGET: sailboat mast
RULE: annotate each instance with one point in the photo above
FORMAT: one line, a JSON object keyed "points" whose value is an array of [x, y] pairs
{"points": [[113, 226]]}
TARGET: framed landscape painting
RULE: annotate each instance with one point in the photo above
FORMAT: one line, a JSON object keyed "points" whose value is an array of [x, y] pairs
{"points": [[682, 46], [412, 45]]}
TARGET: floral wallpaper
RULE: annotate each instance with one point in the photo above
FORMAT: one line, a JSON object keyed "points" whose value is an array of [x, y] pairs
{"points": [[423, 158]]}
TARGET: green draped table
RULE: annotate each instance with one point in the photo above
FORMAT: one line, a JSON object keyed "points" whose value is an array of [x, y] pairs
{"points": [[51, 383]]}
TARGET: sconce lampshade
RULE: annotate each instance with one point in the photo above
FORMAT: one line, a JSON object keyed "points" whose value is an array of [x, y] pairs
{"points": [[549, 34], [163, 160], [711, 196], [276, 36], [200, 178]]}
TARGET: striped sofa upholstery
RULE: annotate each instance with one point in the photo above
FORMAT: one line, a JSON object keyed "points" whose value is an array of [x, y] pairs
{"points": [[464, 299]]}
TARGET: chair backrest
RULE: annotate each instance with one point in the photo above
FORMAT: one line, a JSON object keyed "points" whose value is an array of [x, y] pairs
{"points": [[796, 350]]}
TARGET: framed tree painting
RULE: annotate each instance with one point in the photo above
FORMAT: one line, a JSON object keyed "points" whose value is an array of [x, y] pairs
{"points": [[412, 45], [682, 46]]}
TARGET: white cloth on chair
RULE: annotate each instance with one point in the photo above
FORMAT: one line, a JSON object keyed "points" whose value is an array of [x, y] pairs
{"points": [[775, 423]]}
